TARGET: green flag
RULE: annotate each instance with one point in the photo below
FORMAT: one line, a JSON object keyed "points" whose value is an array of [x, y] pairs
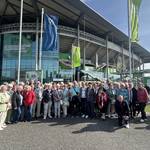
{"points": [[76, 61], [134, 13]]}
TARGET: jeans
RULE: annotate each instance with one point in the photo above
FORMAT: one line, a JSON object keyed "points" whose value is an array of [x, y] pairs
{"points": [[28, 113], [83, 106], [57, 108], [75, 106], [47, 109], [16, 114], [90, 109], [36, 112], [64, 107]]}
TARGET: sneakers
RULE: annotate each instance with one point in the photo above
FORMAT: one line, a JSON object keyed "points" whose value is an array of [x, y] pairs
{"points": [[142, 120], [83, 116], [86, 117], [44, 118], [4, 126], [127, 126], [50, 116], [1, 129], [103, 116]]}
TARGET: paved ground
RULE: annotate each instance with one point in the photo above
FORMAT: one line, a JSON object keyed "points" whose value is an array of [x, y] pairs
{"points": [[75, 134]]}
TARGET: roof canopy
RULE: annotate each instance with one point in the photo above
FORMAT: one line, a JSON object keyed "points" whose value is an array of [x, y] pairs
{"points": [[70, 12]]}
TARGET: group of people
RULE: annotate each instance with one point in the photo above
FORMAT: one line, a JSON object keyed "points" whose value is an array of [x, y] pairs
{"points": [[27, 101]]}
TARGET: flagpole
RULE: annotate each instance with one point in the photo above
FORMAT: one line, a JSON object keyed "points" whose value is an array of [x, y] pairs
{"points": [[73, 63], [37, 43], [20, 41], [129, 34], [41, 40]]}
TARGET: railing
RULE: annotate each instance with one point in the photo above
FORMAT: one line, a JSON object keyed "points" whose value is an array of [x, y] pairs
{"points": [[62, 30]]}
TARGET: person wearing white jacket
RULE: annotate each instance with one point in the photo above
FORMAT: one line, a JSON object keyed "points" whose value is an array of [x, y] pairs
{"points": [[37, 106], [4, 104]]}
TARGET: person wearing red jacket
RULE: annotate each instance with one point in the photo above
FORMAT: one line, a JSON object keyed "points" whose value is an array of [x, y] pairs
{"points": [[102, 102], [29, 99], [142, 97]]}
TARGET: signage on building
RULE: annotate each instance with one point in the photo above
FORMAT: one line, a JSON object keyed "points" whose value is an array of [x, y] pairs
{"points": [[34, 75]]}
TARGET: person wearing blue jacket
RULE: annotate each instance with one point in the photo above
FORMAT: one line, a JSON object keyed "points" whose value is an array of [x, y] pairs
{"points": [[124, 92]]}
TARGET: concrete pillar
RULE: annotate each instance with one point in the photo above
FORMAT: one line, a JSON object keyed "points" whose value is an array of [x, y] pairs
{"points": [[107, 58], [96, 59]]}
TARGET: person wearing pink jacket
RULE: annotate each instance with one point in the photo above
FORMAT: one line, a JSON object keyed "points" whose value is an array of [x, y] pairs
{"points": [[142, 97]]}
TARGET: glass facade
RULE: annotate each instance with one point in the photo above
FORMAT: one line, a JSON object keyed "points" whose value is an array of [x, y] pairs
{"points": [[9, 45], [50, 61]]}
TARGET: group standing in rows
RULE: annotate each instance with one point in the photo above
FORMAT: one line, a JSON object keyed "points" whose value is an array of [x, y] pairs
{"points": [[24, 102]]}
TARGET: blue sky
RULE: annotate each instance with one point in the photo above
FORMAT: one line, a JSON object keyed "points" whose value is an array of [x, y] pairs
{"points": [[115, 11]]}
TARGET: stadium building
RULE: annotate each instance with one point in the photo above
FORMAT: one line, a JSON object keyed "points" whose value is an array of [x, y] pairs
{"points": [[101, 43]]}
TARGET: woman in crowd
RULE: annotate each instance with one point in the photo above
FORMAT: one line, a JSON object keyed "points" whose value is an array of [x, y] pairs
{"points": [[57, 97], [91, 98], [16, 100], [4, 105], [73, 91], [47, 100], [135, 104], [111, 100], [38, 96], [122, 109], [83, 100], [11, 87], [124, 92], [65, 101], [102, 102], [142, 96], [29, 99]]}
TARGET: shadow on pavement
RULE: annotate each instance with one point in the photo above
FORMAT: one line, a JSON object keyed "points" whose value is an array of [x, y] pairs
{"points": [[146, 124], [91, 125]]}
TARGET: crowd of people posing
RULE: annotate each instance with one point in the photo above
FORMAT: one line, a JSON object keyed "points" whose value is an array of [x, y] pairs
{"points": [[24, 102]]}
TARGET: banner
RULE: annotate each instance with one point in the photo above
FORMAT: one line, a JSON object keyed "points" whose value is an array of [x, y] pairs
{"points": [[76, 61], [34, 75], [50, 36], [134, 13]]}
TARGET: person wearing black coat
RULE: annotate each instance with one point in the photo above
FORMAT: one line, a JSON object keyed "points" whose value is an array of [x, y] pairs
{"points": [[47, 100], [135, 104], [16, 100], [91, 99], [122, 109]]}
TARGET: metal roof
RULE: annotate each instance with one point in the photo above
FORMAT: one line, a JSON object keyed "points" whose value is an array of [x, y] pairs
{"points": [[70, 13]]}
